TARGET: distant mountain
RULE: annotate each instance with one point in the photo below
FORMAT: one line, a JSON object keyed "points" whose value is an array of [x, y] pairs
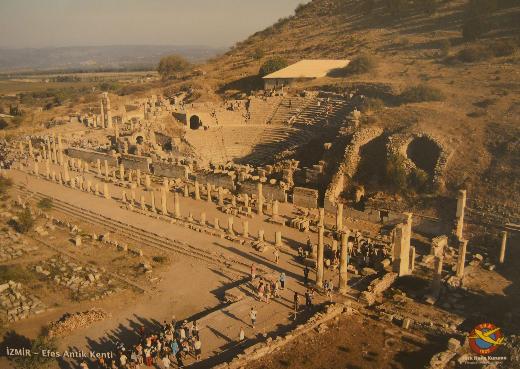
{"points": [[93, 58]]}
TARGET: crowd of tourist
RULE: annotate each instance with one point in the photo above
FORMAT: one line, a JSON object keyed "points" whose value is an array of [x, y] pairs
{"points": [[167, 347]]}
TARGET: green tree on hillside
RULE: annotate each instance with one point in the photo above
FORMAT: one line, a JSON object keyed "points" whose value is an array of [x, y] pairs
{"points": [[172, 66], [258, 53], [272, 65]]}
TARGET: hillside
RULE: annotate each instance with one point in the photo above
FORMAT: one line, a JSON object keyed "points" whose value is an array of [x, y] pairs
{"points": [[478, 116]]}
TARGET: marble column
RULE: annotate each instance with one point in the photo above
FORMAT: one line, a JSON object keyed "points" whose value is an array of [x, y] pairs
{"points": [[343, 262]]}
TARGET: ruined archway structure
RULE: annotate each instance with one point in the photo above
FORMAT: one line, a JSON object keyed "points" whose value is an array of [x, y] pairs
{"points": [[348, 167], [421, 150]]}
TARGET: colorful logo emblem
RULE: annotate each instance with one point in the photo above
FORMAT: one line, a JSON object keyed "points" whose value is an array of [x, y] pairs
{"points": [[485, 338]]}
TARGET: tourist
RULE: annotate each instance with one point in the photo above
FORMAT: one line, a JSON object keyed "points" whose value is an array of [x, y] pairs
{"points": [[261, 289], [84, 365], [327, 286], [306, 275], [253, 271], [308, 298], [123, 360], [267, 293], [148, 355], [296, 303], [195, 329], [174, 346], [166, 362], [241, 335], [282, 280], [198, 349], [276, 256], [252, 315], [276, 289]]}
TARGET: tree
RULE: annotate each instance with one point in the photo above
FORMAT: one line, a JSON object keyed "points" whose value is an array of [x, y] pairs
{"points": [[396, 173], [172, 66], [45, 203], [396, 7], [474, 28], [33, 361], [362, 64], [258, 53], [272, 65], [24, 222]]}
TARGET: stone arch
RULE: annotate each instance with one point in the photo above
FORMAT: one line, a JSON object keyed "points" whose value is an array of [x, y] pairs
{"points": [[424, 153]]}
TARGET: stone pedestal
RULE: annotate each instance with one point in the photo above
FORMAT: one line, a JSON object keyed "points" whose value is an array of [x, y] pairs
{"points": [[230, 226], [278, 239], [245, 228], [177, 206], [197, 191], [260, 199], [461, 260], [106, 193], [261, 235]]}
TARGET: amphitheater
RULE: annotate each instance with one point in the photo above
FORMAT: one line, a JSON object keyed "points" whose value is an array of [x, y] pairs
{"points": [[252, 131]]}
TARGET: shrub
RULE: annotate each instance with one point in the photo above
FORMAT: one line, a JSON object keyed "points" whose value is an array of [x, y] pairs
{"points": [[272, 65], [503, 47], [258, 53], [45, 203], [368, 6], [444, 47], [16, 273], [160, 259], [474, 28], [5, 184], [396, 173], [474, 53], [362, 64], [396, 7], [25, 221], [3, 123], [477, 8], [421, 93], [372, 104], [419, 180], [37, 361], [172, 66]]}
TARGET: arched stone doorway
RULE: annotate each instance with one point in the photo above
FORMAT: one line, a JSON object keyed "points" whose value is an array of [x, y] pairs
{"points": [[195, 122]]}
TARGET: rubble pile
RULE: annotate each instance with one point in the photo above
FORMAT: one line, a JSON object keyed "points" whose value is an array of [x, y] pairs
{"points": [[16, 304], [85, 282], [71, 322], [13, 247]]}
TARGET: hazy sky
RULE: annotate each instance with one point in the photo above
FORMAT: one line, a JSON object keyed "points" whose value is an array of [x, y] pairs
{"points": [[40, 23]]}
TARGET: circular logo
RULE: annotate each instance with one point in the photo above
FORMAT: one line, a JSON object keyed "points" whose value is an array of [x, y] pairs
{"points": [[485, 338]]}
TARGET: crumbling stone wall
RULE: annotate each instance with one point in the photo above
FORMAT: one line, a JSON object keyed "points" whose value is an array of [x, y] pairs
{"points": [[305, 197], [135, 162], [91, 155], [349, 165], [270, 191], [398, 144], [171, 170], [222, 179]]}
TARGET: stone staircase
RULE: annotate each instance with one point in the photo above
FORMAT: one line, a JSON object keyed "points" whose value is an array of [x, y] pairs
{"points": [[288, 108], [208, 145], [261, 111]]}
